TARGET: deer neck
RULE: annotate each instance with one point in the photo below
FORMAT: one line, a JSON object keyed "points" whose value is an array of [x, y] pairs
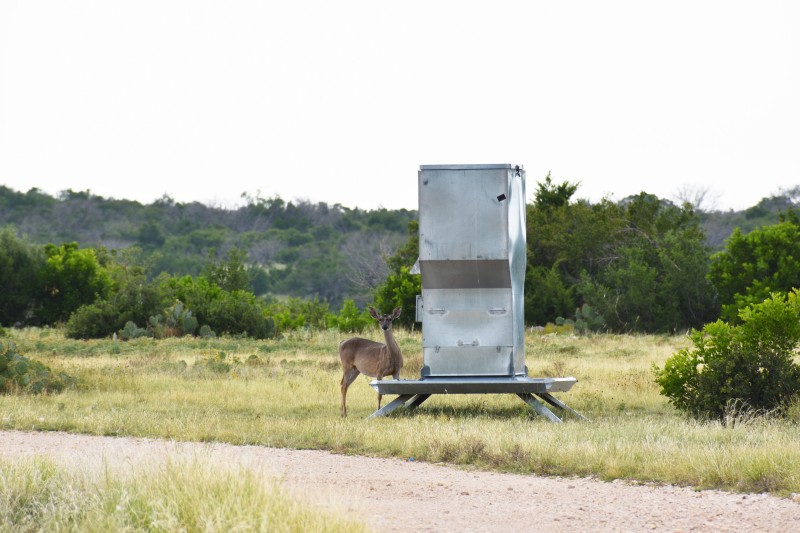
{"points": [[391, 344]]}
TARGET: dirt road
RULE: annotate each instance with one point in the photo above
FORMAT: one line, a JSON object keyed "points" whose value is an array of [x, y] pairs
{"points": [[403, 495]]}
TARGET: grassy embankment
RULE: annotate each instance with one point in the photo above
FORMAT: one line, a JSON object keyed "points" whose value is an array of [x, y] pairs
{"points": [[286, 393]]}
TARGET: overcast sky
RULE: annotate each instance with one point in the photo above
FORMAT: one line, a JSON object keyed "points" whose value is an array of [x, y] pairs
{"points": [[342, 101]]}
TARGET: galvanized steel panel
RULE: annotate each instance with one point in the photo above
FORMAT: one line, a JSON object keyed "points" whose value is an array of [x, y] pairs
{"points": [[472, 261], [461, 215], [468, 360], [467, 317]]}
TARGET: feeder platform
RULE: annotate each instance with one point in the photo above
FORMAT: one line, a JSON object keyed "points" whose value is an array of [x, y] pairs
{"points": [[411, 393]]}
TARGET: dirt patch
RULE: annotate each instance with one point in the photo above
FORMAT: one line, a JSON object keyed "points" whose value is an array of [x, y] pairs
{"points": [[404, 495]]}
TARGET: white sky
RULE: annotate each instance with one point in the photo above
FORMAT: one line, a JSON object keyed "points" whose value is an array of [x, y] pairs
{"points": [[341, 101]]}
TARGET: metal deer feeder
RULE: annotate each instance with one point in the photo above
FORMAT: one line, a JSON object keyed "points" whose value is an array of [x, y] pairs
{"points": [[472, 261]]}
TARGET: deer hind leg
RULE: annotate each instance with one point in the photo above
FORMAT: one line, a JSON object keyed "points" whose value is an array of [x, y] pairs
{"points": [[379, 377], [347, 379]]}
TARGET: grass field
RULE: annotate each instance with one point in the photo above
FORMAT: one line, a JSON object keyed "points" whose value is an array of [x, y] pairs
{"points": [[286, 393]]}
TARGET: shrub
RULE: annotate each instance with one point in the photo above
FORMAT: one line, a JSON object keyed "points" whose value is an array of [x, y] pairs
{"points": [[750, 364], [561, 327], [297, 313], [401, 286], [400, 290], [20, 373], [220, 363], [350, 319], [92, 321], [238, 313]]}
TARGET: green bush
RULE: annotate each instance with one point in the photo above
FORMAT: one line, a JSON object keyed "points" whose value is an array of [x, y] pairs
{"points": [[750, 364], [297, 313], [238, 313], [401, 286], [92, 321], [400, 290], [350, 319], [220, 363], [19, 373]]}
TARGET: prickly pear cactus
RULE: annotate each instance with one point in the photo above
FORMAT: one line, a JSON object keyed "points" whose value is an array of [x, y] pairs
{"points": [[189, 323], [591, 320], [206, 332], [18, 373], [175, 321], [132, 331]]}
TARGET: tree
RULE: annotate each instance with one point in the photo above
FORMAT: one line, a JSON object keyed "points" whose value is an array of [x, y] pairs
{"points": [[753, 266], [401, 287], [655, 280], [230, 273], [307, 243], [640, 263], [546, 295], [549, 195], [70, 278], [19, 263], [400, 290], [151, 235]]}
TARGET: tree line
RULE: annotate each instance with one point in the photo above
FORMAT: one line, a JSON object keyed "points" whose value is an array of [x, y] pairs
{"points": [[643, 264], [297, 249]]}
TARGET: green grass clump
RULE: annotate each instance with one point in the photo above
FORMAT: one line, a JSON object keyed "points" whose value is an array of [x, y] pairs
{"points": [[36, 495], [285, 392]]}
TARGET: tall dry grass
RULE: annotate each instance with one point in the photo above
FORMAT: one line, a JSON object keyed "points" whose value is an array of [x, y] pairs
{"points": [[286, 393], [36, 495]]}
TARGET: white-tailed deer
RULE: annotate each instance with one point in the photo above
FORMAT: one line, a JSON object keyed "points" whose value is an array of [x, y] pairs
{"points": [[373, 359]]}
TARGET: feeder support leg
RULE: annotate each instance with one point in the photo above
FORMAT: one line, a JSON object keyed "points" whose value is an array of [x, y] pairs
{"points": [[391, 406], [555, 402], [538, 406]]}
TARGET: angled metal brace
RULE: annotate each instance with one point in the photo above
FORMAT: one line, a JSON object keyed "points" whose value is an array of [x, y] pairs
{"points": [[538, 406], [391, 406], [409, 401], [416, 401], [555, 402]]}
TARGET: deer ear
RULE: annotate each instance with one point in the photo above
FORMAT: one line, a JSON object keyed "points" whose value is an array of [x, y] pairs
{"points": [[396, 312], [373, 313]]}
